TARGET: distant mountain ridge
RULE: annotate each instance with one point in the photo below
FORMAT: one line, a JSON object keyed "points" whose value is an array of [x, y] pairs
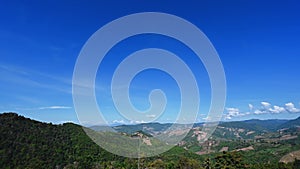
{"points": [[291, 123], [256, 124], [252, 124]]}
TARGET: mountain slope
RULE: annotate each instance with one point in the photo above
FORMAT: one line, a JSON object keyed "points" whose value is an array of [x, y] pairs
{"points": [[25, 143], [28, 143], [269, 125], [255, 124], [156, 128], [290, 124]]}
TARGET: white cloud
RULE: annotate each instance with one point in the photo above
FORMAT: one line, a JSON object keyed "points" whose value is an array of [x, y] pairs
{"points": [[277, 109], [227, 118], [206, 118], [259, 112], [151, 115], [67, 121], [266, 108], [290, 107], [137, 122], [55, 107], [232, 112], [265, 105], [250, 107], [119, 121]]}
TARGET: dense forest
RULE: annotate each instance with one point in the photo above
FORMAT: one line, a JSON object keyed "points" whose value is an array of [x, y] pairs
{"points": [[25, 143]]}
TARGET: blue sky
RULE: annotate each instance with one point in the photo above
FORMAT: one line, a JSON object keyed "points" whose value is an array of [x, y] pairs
{"points": [[257, 42]]}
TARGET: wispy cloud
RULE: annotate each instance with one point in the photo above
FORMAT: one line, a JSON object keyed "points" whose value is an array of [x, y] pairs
{"points": [[14, 69], [151, 115], [55, 107], [250, 107], [30, 78], [137, 122]]}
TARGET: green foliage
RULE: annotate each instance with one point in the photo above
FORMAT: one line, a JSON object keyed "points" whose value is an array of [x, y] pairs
{"points": [[290, 123], [229, 161], [26, 143]]}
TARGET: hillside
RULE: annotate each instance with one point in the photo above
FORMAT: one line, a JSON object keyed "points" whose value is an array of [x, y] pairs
{"points": [[255, 124], [30, 143], [291, 124], [249, 125], [250, 137], [26, 143]]}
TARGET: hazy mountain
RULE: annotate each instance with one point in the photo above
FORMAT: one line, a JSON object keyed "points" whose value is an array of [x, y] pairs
{"points": [[290, 124], [255, 124], [156, 128]]}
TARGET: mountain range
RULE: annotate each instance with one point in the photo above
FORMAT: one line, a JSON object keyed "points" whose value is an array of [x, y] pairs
{"points": [[26, 143]]}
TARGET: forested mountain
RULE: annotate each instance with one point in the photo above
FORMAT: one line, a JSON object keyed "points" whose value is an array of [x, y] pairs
{"points": [[253, 125], [256, 124], [26, 143], [291, 124], [32, 144]]}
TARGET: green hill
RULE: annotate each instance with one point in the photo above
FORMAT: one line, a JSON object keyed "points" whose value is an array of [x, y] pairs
{"points": [[255, 124], [26, 143], [291, 124], [32, 144]]}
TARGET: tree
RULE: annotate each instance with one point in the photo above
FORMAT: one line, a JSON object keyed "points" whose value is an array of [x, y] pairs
{"points": [[229, 160]]}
